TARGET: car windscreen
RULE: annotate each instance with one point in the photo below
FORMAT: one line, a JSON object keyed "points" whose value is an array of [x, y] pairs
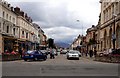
{"points": [[29, 52]]}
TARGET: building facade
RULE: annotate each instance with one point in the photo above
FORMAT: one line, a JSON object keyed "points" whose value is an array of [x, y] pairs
{"points": [[8, 27], [17, 29], [110, 25]]}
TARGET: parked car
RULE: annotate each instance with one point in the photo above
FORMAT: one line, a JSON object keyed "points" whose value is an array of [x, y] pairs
{"points": [[44, 52], [78, 53], [72, 54], [63, 52], [34, 55]]}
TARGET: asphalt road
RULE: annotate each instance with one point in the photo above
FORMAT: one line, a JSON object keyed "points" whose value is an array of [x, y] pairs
{"points": [[59, 66]]}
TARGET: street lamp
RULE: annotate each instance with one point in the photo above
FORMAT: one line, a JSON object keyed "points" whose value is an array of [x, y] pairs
{"points": [[113, 35]]}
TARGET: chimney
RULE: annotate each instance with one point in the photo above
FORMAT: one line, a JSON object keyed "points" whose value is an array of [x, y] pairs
{"points": [[22, 13], [28, 19], [11, 8], [17, 10], [8, 5], [93, 26]]}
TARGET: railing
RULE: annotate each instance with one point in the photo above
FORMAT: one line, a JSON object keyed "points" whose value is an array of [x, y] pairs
{"points": [[10, 57]]}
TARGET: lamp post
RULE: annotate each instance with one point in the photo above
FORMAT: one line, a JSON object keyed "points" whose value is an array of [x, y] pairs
{"points": [[113, 35]]}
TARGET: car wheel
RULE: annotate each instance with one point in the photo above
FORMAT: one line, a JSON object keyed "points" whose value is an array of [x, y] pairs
{"points": [[78, 59], [35, 59], [25, 59], [45, 58], [67, 58]]}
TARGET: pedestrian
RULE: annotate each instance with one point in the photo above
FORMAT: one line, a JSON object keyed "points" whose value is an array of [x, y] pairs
{"points": [[20, 52], [95, 52], [91, 53], [51, 53], [86, 53]]}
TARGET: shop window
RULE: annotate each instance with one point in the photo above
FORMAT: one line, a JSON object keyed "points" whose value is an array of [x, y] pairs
{"points": [[13, 31], [7, 29]]}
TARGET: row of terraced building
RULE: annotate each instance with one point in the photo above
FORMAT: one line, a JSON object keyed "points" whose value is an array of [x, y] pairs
{"points": [[17, 30]]}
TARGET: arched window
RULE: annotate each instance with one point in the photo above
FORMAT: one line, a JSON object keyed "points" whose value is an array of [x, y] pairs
{"points": [[118, 37], [105, 39], [110, 38]]}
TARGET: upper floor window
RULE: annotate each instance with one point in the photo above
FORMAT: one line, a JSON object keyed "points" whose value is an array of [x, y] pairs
{"points": [[22, 32], [3, 14], [117, 8], [6, 16], [7, 29], [13, 20], [26, 35], [0, 25], [13, 31], [10, 18]]}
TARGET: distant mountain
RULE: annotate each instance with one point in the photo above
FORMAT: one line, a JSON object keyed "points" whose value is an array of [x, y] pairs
{"points": [[62, 44]]}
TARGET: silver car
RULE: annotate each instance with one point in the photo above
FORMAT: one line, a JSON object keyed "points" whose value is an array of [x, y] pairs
{"points": [[73, 54]]}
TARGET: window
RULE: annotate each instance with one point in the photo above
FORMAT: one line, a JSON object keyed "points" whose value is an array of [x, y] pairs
{"points": [[13, 20], [13, 31], [117, 8], [7, 29], [23, 33], [3, 14], [0, 25], [6, 16], [3, 26], [10, 18], [26, 35]]}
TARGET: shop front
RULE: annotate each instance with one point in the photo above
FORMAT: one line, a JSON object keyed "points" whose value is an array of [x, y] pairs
{"points": [[10, 43]]}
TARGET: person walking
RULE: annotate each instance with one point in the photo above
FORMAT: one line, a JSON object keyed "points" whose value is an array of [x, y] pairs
{"points": [[51, 53], [95, 52], [20, 52], [91, 53]]}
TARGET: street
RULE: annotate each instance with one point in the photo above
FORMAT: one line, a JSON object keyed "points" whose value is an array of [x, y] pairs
{"points": [[59, 66]]}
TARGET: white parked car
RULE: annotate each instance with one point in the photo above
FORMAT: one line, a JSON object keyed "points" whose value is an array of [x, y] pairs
{"points": [[78, 53], [72, 54], [63, 51]]}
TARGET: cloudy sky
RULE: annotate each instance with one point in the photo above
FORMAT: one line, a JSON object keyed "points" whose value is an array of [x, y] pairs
{"points": [[58, 18]]}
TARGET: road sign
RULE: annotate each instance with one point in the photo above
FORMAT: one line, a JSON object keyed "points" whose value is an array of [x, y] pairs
{"points": [[113, 36]]}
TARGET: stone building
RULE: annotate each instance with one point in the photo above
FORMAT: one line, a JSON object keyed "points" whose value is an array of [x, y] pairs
{"points": [[9, 32], [76, 43], [17, 29], [110, 24]]}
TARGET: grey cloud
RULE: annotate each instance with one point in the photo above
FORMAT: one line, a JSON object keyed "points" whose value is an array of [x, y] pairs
{"points": [[57, 18], [48, 16]]}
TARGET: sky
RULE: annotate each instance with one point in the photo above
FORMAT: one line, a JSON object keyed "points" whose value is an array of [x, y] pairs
{"points": [[58, 18]]}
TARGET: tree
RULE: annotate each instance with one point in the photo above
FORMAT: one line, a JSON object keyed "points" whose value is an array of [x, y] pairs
{"points": [[51, 43]]}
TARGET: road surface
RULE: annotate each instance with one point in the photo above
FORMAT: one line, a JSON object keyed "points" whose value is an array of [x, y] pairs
{"points": [[59, 66]]}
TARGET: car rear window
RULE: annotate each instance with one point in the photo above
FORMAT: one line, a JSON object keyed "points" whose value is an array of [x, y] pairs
{"points": [[29, 52]]}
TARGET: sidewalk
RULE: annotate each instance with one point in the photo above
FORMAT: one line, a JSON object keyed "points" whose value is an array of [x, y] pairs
{"points": [[89, 58]]}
